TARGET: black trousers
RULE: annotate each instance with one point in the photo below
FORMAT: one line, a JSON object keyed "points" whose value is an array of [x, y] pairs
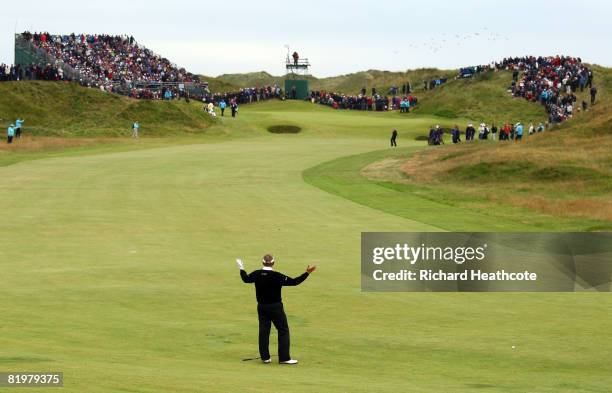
{"points": [[393, 143], [268, 314]]}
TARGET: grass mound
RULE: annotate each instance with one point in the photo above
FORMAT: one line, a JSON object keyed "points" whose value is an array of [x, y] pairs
{"points": [[566, 173], [483, 98], [348, 83], [524, 171], [375, 179], [284, 129], [67, 109]]}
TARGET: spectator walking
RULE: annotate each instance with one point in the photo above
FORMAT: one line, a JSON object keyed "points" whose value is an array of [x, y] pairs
{"points": [[593, 95], [10, 133], [18, 124], [456, 134], [436, 136], [470, 131], [135, 129], [222, 106], [518, 132], [482, 131], [505, 134]]}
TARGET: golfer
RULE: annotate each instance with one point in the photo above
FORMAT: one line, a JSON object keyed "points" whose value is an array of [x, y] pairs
{"points": [[394, 138], [135, 129], [268, 285]]}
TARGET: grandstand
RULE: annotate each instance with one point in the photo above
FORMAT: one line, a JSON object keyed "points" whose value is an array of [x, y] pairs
{"points": [[117, 64]]}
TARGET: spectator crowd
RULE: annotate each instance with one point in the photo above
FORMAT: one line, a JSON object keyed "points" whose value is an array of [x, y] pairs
{"points": [[375, 102], [551, 81], [247, 95], [506, 132], [119, 64], [30, 72], [109, 62]]}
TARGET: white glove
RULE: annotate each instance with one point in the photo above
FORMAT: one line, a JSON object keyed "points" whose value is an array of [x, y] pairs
{"points": [[240, 264]]}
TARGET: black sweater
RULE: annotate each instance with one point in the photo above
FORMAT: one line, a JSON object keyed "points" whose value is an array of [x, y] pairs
{"points": [[268, 284]]}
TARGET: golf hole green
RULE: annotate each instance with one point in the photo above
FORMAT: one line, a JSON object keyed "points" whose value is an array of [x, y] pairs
{"points": [[284, 129]]}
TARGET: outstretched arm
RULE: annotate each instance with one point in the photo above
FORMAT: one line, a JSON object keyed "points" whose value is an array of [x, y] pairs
{"points": [[291, 282], [246, 278]]}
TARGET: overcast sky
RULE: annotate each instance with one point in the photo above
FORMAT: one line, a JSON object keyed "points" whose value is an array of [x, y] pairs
{"points": [[339, 37]]}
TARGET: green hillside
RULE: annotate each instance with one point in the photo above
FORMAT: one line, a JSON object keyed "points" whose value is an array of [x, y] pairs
{"points": [[70, 110], [483, 98], [347, 84], [218, 84], [67, 109], [563, 172], [381, 80], [249, 79]]}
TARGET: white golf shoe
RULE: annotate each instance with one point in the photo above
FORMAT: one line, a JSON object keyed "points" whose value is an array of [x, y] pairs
{"points": [[267, 361], [290, 361]]}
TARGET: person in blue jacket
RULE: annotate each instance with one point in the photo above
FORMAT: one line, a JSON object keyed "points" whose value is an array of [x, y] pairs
{"points": [[18, 124], [518, 131], [456, 134], [10, 133], [135, 129], [222, 106]]}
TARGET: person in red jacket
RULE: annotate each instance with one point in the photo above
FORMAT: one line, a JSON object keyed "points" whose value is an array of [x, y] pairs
{"points": [[505, 132]]}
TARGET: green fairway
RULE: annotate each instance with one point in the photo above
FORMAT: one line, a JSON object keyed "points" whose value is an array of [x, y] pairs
{"points": [[118, 269]]}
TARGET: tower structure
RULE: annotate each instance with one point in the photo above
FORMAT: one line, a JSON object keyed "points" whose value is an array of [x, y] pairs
{"points": [[296, 76]]}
